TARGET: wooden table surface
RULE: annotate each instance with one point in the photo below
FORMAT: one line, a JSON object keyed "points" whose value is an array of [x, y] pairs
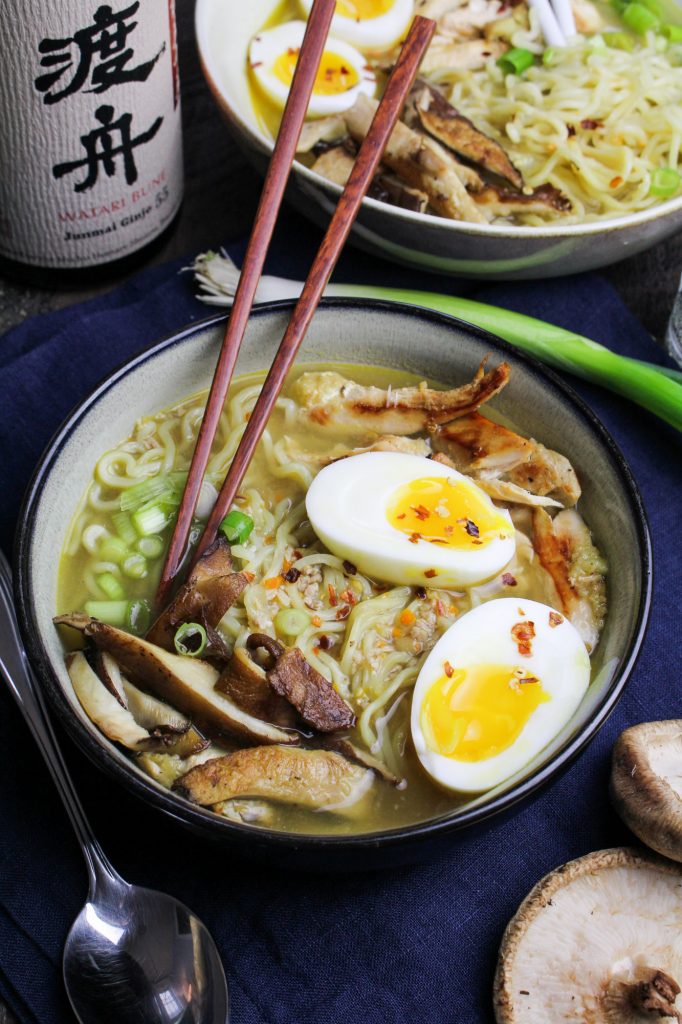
{"points": [[220, 201]]}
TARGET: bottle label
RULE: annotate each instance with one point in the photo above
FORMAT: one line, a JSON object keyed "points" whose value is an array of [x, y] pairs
{"points": [[91, 143]]}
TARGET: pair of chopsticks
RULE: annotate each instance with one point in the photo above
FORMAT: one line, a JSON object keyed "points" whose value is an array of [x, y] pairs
{"points": [[365, 166], [556, 20]]}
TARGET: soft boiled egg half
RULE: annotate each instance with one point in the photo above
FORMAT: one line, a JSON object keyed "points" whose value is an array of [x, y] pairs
{"points": [[409, 520], [498, 686], [369, 24], [341, 77]]}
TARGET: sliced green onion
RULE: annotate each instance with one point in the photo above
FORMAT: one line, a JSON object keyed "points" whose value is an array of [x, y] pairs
{"points": [[619, 41], [640, 19], [111, 586], [150, 547], [673, 33], [113, 549], [123, 525], [236, 526], [665, 181], [155, 489], [114, 613], [290, 622], [151, 520], [516, 61], [548, 56], [190, 639], [135, 566], [138, 617]]}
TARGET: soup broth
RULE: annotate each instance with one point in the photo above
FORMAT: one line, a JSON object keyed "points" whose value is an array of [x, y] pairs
{"points": [[368, 638]]}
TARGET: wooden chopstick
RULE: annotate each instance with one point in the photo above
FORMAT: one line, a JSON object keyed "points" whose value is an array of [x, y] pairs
{"points": [[365, 166], [282, 158]]}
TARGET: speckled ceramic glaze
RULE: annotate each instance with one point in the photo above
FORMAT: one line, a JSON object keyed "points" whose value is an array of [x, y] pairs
{"points": [[417, 240], [429, 344]]}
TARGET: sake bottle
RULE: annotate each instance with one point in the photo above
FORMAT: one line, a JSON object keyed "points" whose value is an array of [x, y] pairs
{"points": [[91, 174]]}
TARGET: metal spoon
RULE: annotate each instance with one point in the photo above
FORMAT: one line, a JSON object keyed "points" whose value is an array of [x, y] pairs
{"points": [[133, 955]]}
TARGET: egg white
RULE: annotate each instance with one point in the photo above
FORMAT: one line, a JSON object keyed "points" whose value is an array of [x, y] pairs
{"points": [[346, 504], [269, 44], [559, 660], [371, 34]]}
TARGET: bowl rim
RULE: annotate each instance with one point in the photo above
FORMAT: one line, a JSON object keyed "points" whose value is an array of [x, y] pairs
{"points": [[204, 820], [607, 224]]}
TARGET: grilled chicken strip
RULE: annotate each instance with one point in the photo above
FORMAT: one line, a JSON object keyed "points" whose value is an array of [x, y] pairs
{"points": [[331, 401], [545, 200], [565, 548], [421, 162], [335, 164], [501, 490], [488, 451], [318, 779], [444, 122]]}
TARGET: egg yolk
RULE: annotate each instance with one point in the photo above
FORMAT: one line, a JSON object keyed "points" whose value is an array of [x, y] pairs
{"points": [[334, 74], [475, 713], [446, 511], [360, 10]]}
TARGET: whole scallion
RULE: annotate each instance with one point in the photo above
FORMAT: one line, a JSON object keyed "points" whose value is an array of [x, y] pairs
{"points": [[652, 387]]}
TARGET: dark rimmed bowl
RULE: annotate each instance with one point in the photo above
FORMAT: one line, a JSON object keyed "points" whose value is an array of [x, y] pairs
{"points": [[349, 331]]}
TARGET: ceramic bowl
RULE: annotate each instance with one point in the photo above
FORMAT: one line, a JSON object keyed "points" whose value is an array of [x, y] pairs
{"points": [[421, 241], [377, 334]]}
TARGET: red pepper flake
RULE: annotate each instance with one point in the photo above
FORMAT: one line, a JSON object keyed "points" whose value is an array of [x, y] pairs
{"points": [[414, 538], [448, 530], [420, 511], [349, 568], [449, 670], [508, 579], [402, 515], [292, 574], [256, 64], [296, 555], [430, 573], [325, 642], [333, 597], [555, 619], [615, 182], [570, 130], [420, 592], [470, 527], [477, 542], [440, 607], [523, 633], [529, 679], [343, 613], [439, 540], [589, 124]]}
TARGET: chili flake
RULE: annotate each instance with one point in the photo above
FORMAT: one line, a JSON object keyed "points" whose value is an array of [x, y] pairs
{"points": [[343, 612], [349, 568], [420, 592], [555, 619], [615, 182], [523, 633], [420, 511], [508, 579], [292, 574], [449, 670], [430, 573], [414, 538], [333, 597], [325, 642], [470, 527]]}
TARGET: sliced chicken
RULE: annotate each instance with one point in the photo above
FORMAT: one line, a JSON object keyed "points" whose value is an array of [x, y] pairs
{"points": [[323, 130], [545, 200], [318, 779], [420, 162], [565, 548], [291, 449], [502, 490], [488, 451], [441, 120], [469, 19], [444, 54], [331, 401], [295, 679], [335, 164], [210, 590]]}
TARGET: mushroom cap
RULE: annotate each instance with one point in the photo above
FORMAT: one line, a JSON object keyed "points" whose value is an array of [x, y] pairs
{"points": [[646, 784], [587, 931]]}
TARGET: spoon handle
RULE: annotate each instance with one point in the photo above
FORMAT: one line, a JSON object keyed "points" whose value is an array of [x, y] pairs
{"points": [[16, 671]]}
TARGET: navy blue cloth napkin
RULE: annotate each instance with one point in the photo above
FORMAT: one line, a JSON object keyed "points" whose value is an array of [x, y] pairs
{"points": [[406, 945]]}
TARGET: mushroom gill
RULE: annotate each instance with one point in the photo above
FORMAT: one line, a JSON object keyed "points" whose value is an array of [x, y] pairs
{"points": [[646, 784], [597, 941]]}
